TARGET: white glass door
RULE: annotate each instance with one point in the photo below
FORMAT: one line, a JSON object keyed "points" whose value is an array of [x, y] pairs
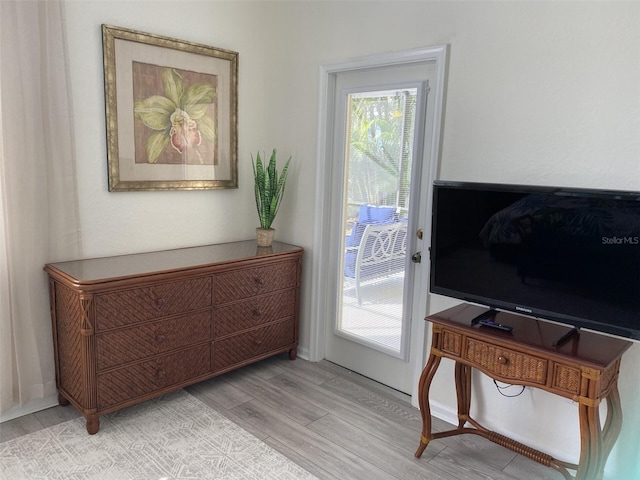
{"points": [[378, 165], [376, 210]]}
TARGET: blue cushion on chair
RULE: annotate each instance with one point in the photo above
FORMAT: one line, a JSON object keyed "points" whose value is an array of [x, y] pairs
{"points": [[376, 214], [350, 264], [368, 214]]}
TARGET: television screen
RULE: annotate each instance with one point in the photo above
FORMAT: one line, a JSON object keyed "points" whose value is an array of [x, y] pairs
{"points": [[568, 255]]}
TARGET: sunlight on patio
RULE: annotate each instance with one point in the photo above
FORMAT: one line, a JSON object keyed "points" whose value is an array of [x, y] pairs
{"points": [[379, 318]]}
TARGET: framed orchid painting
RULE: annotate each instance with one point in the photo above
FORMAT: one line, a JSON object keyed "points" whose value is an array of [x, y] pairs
{"points": [[171, 112]]}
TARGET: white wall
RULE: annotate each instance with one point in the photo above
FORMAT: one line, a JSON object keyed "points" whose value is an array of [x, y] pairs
{"points": [[538, 92], [126, 222]]}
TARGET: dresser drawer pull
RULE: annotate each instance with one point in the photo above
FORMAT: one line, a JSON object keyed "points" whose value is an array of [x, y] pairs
{"points": [[502, 360], [160, 303], [257, 312], [259, 281], [160, 338], [160, 374]]}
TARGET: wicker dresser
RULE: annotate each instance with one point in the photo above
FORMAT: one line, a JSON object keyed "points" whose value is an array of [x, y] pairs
{"points": [[132, 327], [584, 369]]}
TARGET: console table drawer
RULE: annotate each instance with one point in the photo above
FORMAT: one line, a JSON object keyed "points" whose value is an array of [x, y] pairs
{"points": [[135, 343], [566, 378], [508, 364], [249, 282], [451, 343], [233, 350], [127, 383], [135, 305], [252, 313]]}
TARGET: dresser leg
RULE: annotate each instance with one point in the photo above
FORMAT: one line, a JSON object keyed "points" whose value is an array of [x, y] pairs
{"points": [[293, 353], [62, 401], [423, 400], [93, 424]]}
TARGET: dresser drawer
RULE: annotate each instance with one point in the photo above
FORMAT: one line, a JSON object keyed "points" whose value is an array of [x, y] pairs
{"points": [[135, 305], [241, 316], [127, 383], [138, 342], [249, 282], [508, 364], [242, 347]]}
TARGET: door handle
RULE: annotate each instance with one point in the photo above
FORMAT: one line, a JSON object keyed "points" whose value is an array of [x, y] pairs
{"points": [[416, 257]]}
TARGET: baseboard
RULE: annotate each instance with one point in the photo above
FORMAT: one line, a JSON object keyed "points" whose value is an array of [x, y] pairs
{"points": [[450, 415], [51, 401], [303, 353], [445, 414]]}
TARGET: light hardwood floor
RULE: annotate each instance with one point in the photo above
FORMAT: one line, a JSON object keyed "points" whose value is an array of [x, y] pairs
{"points": [[336, 424]]}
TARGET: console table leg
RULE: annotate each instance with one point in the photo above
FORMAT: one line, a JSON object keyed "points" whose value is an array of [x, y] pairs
{"points": [[613, 424], [423, 400], [463, 392], [599, 443], [590, 467]]}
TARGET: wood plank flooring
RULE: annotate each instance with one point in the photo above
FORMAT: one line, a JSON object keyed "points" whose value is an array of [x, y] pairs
{"points": [[336, 424]]}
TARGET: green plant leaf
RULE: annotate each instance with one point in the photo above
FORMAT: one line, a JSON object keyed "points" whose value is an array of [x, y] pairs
{"points": [[207, 128], [258, 173], [269, 187], [173, 85], [156, 144], [280, 187], [155, 112], [267, 193], [272, 175]]}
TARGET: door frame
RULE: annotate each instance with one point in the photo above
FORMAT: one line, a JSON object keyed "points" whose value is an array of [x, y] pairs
{"points": [[322, 268]]}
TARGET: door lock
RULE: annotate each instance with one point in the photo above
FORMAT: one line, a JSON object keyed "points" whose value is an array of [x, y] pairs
{"points": [[420, 233], [416, 257]]}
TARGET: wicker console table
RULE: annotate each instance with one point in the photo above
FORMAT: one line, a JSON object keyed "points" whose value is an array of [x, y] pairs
{"points": [[132, 327], [585, 369]]}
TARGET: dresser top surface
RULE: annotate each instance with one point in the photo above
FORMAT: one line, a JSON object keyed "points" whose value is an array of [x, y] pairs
{"points": [[534, 335], [96, 270]]}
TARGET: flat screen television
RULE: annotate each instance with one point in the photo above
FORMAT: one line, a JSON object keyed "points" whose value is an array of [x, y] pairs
{"points": [[564, 254]]}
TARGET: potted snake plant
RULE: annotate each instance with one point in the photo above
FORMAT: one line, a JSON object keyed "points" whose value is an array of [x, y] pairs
{"points": [[269, 189]]}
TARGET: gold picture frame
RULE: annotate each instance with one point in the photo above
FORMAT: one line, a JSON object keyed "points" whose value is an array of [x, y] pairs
{"points": [[171, 113]]}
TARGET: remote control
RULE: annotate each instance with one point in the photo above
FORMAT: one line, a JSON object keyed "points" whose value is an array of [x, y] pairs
{"points": [[492, 324]]}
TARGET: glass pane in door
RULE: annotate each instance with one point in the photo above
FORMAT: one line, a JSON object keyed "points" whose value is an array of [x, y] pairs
{"points": [[380, 128]]}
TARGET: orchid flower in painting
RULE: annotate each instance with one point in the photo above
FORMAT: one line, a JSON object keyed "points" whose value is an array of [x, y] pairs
{"points": [[178, 118]]}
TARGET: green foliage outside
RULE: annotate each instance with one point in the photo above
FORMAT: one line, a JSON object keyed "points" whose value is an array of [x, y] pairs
{"points": [[380, 149]]}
